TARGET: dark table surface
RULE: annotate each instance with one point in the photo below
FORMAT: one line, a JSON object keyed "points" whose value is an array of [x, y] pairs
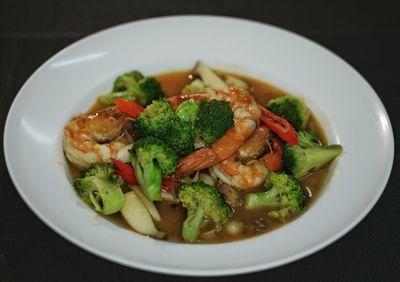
{"points": [[365, 35]]}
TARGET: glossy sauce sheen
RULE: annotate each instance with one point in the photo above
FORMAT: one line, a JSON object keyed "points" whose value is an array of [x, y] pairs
{"points": [[255, 221]]}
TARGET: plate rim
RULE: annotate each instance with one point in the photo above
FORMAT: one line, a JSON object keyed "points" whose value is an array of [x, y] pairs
{"points": [[194, 272]]}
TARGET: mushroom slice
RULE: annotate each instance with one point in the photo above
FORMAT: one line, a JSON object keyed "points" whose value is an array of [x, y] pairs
{"points": [[209, 77], [106, 125], [231, 195], [236, 82], [255, 146]]}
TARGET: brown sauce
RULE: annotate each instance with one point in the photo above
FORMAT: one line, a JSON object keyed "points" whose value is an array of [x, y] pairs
{"points": [[255, 222]]}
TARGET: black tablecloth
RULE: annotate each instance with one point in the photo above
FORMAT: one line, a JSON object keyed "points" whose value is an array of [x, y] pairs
{"points": [[365, 35]]}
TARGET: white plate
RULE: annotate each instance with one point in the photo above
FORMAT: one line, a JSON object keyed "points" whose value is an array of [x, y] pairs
{"points": [[68, 83]]}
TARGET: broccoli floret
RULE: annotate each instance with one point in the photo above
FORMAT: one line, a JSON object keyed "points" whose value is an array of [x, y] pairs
{"points": [[203, 203], [121, 84], [133, 86], [126, 80], [152, 159], [101, 188], [284, 196], [307, 139], [213, 120], [187, 111], [147, 90], [308, 155], [195, 86], [292, 109], [160, 121]]}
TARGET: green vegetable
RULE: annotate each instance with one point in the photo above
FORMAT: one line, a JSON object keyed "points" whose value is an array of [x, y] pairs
{"points": [[187, 111], [152, 159], [203, 203], [160, 121], [292, 109], [213, 120], [195, 86], [101, 188], [307, 139], [284, 196], [133, 86], [126, 80], [308, 155]]}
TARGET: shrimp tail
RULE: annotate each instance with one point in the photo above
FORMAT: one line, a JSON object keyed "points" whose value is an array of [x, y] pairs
{"points": [[273, 159], [199, 160]]}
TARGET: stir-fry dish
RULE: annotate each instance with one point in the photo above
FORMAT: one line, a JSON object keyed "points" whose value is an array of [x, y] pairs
{"points": [[198, 156]]}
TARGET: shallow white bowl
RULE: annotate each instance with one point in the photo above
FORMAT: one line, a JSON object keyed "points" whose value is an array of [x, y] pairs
{"points": [[347, 106]]}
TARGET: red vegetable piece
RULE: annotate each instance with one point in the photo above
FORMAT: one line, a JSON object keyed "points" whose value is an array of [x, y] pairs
{"points": [[167, 185], [279, 126], [125, 171], [130, 108]]}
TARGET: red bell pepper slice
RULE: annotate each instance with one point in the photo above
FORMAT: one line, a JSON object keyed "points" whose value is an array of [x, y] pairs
{"points": [[279, 126], [128, 107], [167, 185], [125, 171]]}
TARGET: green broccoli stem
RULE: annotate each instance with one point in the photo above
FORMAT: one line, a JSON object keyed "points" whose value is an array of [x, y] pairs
{"points": [[94, 201], [105, 199], [149, 178], [317, 156], [187, 111], [263, 199], [191, 226], [111, 199]]}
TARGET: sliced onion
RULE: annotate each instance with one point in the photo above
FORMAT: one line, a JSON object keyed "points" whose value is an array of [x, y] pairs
{"points": [[123, 154], [196, 177], [138, 217], [170, 197], [150, 206], [207, 179]]}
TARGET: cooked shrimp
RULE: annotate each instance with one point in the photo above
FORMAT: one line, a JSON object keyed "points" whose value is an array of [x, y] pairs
{"points": [[246, 117], [254, 171], [96, 137], [242, 176]]}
